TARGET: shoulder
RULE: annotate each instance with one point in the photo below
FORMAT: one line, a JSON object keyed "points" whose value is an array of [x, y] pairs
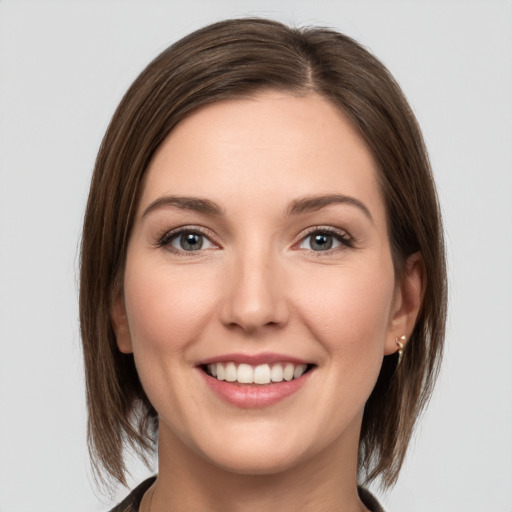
{"points": [[369, 500], [132, 501]]}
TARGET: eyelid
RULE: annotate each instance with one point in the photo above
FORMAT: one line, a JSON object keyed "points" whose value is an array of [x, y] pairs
{"points": [[164, 240], [343, 236]]}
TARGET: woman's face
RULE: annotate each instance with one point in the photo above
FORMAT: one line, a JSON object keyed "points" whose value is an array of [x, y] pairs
{"points": [[259, 253]]}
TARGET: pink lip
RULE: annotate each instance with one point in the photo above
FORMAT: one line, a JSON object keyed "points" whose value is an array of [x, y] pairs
{"points": [[253, 396], [253, 359]]}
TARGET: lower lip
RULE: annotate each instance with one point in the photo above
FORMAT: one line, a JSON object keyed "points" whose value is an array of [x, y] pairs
{"points": [[254, 396]]}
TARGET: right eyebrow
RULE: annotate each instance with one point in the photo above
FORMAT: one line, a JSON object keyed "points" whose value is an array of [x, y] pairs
{"points": [[313, 203], [196, 204]]}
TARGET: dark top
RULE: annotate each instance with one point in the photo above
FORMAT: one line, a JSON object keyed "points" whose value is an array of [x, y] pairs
{"points": [[132, 502]]}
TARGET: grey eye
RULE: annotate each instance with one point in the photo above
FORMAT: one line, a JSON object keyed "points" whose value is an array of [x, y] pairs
{"points": [[190, 241], [320, 242]]}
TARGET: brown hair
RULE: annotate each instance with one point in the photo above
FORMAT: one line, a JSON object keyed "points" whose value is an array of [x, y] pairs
{"points": [[237, 58]]}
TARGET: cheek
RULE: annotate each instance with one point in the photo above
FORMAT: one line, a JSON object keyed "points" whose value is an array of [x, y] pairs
{"points": [[349, 308], [166, 307]]}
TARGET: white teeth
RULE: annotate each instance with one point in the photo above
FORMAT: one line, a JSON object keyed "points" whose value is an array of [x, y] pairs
{"points": [[221, 374], [260, 374], [245, 374], [276, 375], [231, 372], [299, 370], [288, 372]]}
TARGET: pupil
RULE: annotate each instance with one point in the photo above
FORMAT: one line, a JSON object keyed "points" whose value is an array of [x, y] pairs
{"points": [[322, 242], [191, 242]]}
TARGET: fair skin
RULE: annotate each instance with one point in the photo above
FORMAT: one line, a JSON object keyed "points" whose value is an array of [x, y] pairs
{"points": [[279, 255]]}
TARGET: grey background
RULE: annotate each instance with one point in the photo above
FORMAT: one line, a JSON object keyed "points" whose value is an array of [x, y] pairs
{"points": [[63, 68]]}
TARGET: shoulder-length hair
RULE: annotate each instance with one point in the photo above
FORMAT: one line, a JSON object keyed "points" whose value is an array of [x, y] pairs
{"points": [[238, 58]]}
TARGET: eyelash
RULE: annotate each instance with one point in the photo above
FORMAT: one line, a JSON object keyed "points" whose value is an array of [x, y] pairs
{"points": [[345, 240], [168, 237], [340, 236]]}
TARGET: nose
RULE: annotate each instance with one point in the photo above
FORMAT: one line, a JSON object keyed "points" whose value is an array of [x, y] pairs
{"points": [[254, 298]]}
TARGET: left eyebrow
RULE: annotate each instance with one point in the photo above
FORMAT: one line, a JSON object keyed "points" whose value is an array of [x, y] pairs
{"points": [[313, 203], [185, 203]]}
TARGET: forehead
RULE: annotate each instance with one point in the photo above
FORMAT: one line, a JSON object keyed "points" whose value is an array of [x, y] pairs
{"points": [[274, 146]]}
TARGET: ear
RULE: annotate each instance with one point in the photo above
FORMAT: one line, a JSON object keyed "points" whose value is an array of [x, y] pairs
{"points": [[407, 302], [120, 324]]}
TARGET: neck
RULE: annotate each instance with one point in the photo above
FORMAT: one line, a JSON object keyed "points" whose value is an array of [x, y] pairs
{"points": [[323, 483]]}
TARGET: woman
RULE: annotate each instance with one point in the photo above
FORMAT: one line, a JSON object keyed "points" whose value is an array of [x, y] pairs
{"points": [[262, 277]]}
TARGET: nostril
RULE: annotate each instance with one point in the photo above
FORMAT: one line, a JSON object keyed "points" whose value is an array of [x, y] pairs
{"points": [[254, 300]]}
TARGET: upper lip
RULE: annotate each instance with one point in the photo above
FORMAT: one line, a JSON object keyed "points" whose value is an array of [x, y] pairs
{"points": [[253, 359]]}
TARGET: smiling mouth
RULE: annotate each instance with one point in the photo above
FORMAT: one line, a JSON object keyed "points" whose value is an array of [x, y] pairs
{"points": [[256, 374]]}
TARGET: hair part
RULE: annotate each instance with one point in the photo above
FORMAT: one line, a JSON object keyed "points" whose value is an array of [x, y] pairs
{"points": [[234, 59]]}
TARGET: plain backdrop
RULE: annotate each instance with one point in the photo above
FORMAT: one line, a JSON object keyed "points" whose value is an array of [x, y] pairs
{"points": [[64, 66]]}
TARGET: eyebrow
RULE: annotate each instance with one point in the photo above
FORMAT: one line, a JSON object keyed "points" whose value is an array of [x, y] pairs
{"points": [[185, 203], [313, 203], [296, 207]]}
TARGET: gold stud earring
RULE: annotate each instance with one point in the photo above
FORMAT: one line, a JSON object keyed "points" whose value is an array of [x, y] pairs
{"points": [[400, 343]]}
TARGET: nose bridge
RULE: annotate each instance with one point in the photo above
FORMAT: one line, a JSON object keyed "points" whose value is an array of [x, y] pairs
{"points": [[255, 296]]}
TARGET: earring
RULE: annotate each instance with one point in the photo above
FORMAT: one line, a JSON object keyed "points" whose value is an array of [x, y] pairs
{"points": [[400, 343]]}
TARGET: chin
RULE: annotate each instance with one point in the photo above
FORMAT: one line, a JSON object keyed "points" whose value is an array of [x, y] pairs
{"points": [[255, 462], [265, 449]]}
